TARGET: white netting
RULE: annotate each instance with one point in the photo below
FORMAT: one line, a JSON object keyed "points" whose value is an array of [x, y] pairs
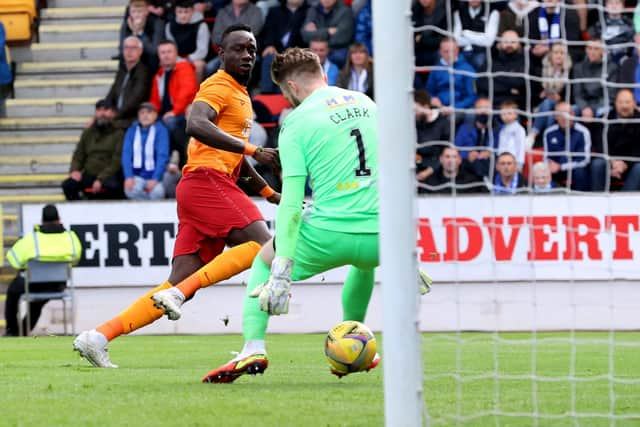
{"points": [[551, 267]]}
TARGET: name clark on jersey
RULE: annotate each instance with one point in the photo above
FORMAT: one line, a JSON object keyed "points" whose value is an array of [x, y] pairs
{"points": [[348, 114], [545, 238]]}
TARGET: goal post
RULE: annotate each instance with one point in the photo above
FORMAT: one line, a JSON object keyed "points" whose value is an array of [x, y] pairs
{"points": [[393, 44]]}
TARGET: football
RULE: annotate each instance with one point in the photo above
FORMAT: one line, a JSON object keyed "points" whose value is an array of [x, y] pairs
{"points": [[350, 347]]}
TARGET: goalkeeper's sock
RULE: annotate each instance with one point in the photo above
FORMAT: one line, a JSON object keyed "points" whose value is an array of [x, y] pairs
{"points": [[252, 347], [254, 320], [141, 313], [224, 266], [356, 293]]}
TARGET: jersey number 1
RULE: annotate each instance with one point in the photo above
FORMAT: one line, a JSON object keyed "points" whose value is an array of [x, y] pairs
{"points": [[362, 159]]}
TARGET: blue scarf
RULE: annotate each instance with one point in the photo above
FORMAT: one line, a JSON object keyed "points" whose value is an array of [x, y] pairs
{"points": [[499, 187], [549, 33]]}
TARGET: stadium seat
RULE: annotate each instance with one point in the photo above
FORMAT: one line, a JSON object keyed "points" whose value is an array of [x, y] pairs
{"points": [[47, 272], [18, 17], [268, 108]]}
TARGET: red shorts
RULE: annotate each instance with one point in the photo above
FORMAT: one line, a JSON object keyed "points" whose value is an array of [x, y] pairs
{"points": [[210, 205]]}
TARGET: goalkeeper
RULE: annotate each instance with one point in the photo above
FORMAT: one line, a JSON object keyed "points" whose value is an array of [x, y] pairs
{"points": [[331, 138]]}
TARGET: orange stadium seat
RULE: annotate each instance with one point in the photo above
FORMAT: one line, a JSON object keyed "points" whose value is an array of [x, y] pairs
{"points": [[18, 17]]}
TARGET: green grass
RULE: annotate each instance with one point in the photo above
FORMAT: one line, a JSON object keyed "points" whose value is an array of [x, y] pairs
{"points": [[43, 383]]}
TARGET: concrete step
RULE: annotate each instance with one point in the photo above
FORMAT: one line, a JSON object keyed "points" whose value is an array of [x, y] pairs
{"points": [[58, 107], [26, 135], [86, 3], [73, 51], [33, 168], [31, 180], [11, 125], [39, 195], [53, 149], [69, 32], [67, 67], [61, 88], [75, 13], [38, 137]]}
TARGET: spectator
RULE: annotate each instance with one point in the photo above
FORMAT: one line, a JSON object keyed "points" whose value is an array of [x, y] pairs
{"points": [[145, 155], [191, 35], [515, 17], [321, 48], [541, 178], [623, 144], [475, 27], [48, 242], [363, 31], [507, 61], [549, 24], [636, 19], [95, 164], [511, 136], [174, 87], [433, 130], [172, 176], [589, 95], [148, 28], [282, 29], [432, 13], [357, 73], [567, 149], [5, 71], [617, 31], [450, 178], [333, 21], [131, 85], [439, 86], [628, 74], [236, 12], [556, 66], [508, 180], [478, 139]]}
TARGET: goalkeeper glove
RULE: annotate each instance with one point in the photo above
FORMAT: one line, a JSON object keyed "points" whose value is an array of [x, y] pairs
{"points": [[273, 296]]}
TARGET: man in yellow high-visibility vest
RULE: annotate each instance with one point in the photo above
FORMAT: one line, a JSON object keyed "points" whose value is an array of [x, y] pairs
{"points": [[49, 241]]}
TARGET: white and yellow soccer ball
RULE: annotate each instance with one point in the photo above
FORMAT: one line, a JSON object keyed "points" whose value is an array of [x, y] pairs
{"points": [[350, 347]]}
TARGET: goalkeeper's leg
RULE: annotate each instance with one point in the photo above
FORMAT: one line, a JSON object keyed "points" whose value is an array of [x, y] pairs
{"points": [[253, 357], [356, 293]]}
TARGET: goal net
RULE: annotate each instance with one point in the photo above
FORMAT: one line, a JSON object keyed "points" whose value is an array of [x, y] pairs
{"points": [[527, 210]]}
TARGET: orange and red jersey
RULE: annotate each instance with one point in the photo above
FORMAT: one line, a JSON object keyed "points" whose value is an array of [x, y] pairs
{"points": [[234, 116]]}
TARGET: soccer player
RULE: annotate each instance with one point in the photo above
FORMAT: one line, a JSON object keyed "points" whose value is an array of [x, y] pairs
{"points": [[212, 210], [330, 138]]}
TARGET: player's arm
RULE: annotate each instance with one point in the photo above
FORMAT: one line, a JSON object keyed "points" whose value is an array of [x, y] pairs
{"points": [[257, 184], [289, 216], [200, 125]]}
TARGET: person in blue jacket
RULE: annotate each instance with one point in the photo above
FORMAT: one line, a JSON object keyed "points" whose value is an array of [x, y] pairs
{"points": [[5, 70]]}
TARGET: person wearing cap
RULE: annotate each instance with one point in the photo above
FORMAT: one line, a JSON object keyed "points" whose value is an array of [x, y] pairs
{"points": [[131, 85], [145, 154], [49, 241], [95, 165]]}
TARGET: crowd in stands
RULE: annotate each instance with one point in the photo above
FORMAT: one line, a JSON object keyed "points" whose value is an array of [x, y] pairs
{"points": [[498, 85], [536, 96]]}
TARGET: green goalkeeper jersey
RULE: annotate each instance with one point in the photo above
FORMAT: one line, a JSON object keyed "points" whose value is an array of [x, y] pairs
{"points": [[331, 137]]}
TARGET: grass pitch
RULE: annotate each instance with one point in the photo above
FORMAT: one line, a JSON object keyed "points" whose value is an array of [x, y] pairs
{"points": [[44, 383]]}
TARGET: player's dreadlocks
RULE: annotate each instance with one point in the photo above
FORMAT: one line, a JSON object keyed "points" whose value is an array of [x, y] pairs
{"points": [[294, 61]]}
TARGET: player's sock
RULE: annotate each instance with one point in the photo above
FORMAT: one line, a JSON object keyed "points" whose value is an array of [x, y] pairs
{"points": [[141, 313], [252, 347], [254, 320], [356, 293], [224, 266]]}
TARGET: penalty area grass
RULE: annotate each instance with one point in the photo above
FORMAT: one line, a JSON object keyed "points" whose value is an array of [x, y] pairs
{"points": [[471, 379]]}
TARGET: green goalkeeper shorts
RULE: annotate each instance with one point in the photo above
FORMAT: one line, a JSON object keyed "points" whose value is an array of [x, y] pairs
{"points": [[319, 250]]}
